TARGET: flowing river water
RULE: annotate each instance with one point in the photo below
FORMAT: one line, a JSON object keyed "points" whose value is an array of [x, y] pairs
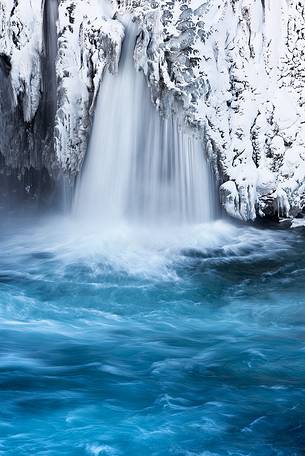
{"points": [[187, 341]]}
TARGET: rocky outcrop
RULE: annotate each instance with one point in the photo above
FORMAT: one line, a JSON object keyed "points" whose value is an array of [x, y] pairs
{"points": [[20, 50], [88, 41], [20, 76], [237, 67], [52, 57]]}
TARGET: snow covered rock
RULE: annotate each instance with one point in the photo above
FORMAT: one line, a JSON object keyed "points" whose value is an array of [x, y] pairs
{"points": [[20, 50], [52, 56], [22, 170], [88, 41], [237, 67]]}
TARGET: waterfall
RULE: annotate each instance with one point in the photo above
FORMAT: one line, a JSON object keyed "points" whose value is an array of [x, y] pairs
{"points": [[140, 166]]}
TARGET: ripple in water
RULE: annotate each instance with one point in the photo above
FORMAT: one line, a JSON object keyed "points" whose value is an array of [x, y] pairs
{"points": [[182, 341]]}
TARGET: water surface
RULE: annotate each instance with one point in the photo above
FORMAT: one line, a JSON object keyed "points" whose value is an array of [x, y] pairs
{"points": [[133, 341]]}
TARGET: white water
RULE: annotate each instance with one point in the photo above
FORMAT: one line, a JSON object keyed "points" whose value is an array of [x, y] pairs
{"points": [[139, 166]]}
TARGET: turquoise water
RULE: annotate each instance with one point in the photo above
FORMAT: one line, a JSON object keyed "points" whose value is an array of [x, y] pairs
{"points": [[160, 342]]}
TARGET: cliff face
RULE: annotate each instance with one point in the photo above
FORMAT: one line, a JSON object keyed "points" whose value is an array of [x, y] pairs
{"points": [[52, 56], [236, 66], [88, 41], [21, 44]]}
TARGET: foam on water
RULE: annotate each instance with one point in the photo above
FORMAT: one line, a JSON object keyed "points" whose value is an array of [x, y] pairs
{"points": [[181, 341]]}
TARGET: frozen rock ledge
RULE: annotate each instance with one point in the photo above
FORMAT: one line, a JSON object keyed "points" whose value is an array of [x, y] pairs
{"points": [[238, 69]]}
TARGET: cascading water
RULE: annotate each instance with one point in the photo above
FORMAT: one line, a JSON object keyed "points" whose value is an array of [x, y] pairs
{"points": [[140, 166]]}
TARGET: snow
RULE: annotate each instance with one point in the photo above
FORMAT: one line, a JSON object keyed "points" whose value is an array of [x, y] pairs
{"points": [[21, 43], [243, 90], [88, 43]]}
